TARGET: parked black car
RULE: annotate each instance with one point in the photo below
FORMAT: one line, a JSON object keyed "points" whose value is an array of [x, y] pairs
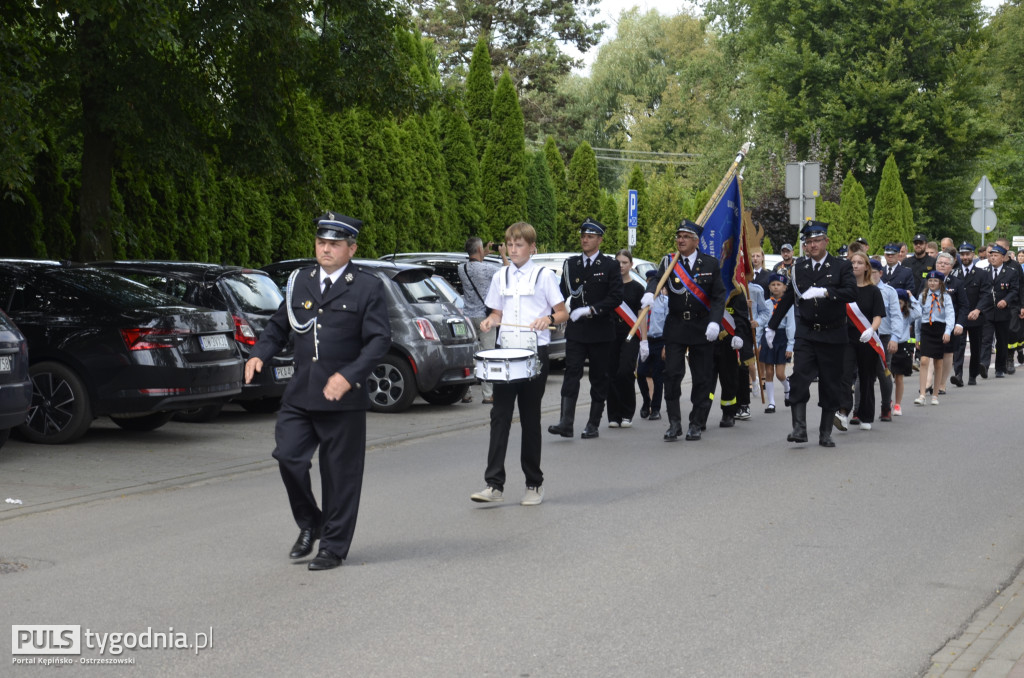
{"points": [[432, 342], [15, 387], [103, 345], [250, 296]]}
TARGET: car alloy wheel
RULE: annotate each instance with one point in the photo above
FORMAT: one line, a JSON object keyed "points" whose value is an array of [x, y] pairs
{"points": [[60, 411], [391, 385]]}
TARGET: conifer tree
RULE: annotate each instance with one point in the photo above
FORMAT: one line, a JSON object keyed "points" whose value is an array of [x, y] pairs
{"points": [[909, 228], [503, 169], [853, 219], [556, 168], [480, 95], [583, 187], [888, 220], [463, 175], [615, 236], [540, 198]]}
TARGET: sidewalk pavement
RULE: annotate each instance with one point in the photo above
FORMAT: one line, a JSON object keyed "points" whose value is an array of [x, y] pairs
{"points": [[992, 644]]}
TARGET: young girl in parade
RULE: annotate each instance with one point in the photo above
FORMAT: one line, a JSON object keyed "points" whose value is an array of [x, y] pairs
{"points": [[861, 359], [934, 330], [902, 361], [774, 358]]}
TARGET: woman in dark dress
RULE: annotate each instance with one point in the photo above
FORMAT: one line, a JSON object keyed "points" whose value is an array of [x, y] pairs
{"points": [[622, 366], [861, 358]]}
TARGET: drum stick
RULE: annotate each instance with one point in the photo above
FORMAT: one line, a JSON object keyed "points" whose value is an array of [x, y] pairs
{"points": [[550, 327]]}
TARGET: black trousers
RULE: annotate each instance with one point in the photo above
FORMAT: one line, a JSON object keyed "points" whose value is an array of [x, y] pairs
{"points": [[653, 367], [341, 438], [1001, 330], [817, 359], [702, 375], [529, 393], [975, 335], [576, 353], [725, 372], [622, 378]]}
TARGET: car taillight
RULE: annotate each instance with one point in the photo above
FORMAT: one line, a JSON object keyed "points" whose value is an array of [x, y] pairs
{"points": [[147, 338], [243, 332], [426, 329]]}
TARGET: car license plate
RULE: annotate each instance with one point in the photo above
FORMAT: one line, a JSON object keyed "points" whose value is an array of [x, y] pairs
{"points": [[285, 372], [5, 363], [459, 329], [213, 342]]}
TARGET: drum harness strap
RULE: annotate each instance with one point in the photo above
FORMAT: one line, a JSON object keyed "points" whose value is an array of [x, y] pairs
{"points": [[516, 291]]}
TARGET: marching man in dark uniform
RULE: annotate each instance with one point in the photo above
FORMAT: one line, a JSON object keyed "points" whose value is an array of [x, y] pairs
{"points": [[338, 315], [978, 284], [696, 303], [1005, 290], [593, 285], [894, 273], [821, 287]]}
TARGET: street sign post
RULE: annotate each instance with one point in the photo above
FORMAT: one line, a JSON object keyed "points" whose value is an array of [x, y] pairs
{"points": [[983, 220], [632, 219], [803, 183]]}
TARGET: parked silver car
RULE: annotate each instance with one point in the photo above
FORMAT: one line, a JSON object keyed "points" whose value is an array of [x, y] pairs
{"points": [[432, 342]]}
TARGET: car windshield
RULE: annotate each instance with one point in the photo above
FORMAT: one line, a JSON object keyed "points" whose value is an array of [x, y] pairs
{"points": [[111, 289], [420, 291], [254, 293]]}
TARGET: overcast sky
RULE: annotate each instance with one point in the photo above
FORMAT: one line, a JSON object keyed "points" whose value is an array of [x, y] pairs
{"points": [[610, 10]]}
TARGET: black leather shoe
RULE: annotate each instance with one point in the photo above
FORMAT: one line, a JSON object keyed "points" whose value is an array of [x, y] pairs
{"points": [[973, 381], [675, 429], [654, 416], [999, 375], [984, 372], [325, 560], [693, 433], [645, 412], [825, 440], [1010, 369], [956, 381], [589, 431], [559, 430], [304, 544], [728, 421]]}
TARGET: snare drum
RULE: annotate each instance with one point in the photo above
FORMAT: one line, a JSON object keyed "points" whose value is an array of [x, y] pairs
{"points": [[505, 365]]}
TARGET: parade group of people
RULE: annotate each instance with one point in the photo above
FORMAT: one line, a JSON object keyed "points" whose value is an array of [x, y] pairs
{"points": [[846, 321]]}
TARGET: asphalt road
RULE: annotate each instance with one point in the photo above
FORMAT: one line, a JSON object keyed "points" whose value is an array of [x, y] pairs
{"points": [[739, 555]]}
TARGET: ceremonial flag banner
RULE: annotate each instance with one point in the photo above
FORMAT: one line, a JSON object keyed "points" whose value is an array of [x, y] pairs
{"points": [[723, 238]]}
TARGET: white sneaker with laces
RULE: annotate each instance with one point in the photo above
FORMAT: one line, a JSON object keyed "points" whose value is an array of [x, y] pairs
{"points": [[613, 424], [864, 426], [842, 421], [488, 495], [533, 496], [897, 411], [919, 400], [743, 412], [626, 423], [935, 401]]}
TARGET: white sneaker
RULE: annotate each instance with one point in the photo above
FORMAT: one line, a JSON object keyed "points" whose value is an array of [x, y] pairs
{"points": [[613, 424], [897, 411], [533, 496], [919, 400], [627, 423], [842, 421], [935, 401], [743, 412], [864, 426], [487, 495]]}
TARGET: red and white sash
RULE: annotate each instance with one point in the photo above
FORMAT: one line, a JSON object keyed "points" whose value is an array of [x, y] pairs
{"points": [[729, 323], [626, 313], [860, 321]]}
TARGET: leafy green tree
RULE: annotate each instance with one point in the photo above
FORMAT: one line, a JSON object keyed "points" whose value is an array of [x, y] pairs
{"points": [[583, 189], [463, 175], [888, 222], [616, 236], [556, 169], [525, 35], [853, 219], [480, 95], [540, 198], [503, 169]]}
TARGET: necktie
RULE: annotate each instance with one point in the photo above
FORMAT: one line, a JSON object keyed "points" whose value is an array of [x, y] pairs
{"points": [[327, 287], [686, 264], [817, 267], [889, 271], [995, 273], [586, 264]]}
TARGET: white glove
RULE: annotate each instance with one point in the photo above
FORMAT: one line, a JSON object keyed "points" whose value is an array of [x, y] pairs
{"points": [[813, 293], [645, 350], [769, 336], [866, 335], [647, 299], [581, 312], [736, 343], [713, 330]]}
